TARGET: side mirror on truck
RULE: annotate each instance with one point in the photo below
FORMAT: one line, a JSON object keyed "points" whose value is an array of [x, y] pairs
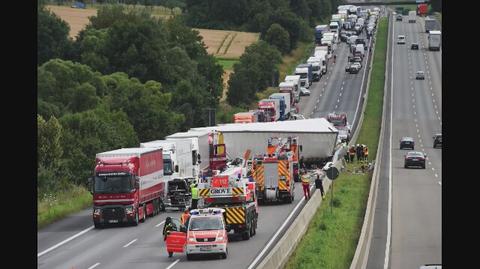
{"points": [[176, 168], [137, 183], [90, 185], [301, 148]]}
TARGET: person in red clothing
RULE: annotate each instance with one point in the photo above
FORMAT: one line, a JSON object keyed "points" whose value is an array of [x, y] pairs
{"points": [[306, 186]]}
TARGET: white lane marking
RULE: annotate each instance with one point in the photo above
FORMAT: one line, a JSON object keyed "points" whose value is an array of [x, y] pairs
{"points": [[440, 183], [131, 242], [338, 100], [159, 224], [421, 145], [436, 175], [173, 264], [415, 119], [429, 163], [277, 233], [439, 120], [436, 111], [340, 94], [325, 83], [389, 219], [418, 131], [433, 169], [433, 100], [343, 82], [341, 88], [65, 241], [336, 106], [318, 100], [93, 266], [414, 112]]}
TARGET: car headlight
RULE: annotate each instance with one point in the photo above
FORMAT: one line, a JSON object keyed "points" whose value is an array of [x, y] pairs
{"points": [[129, 209], [97, 211], [191, 239], [220, 238]]}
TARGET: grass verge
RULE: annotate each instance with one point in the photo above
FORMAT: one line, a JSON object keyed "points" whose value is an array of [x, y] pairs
{"points": [[331, 238], [58, 205], [297, 56]]}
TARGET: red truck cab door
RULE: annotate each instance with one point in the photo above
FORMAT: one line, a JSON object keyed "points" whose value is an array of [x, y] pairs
{"points": [[176, 238]]}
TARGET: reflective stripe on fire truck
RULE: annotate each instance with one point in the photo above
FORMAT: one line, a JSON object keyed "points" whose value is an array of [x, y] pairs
{"points": [[204, 192], [235, 215], [259, 177], [237, 191], [283, 172]]}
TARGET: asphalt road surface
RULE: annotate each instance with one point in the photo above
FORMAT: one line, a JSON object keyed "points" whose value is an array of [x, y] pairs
{"points": [[413, 237], [143, 247]]}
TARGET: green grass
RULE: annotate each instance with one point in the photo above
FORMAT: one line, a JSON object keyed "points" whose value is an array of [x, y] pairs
{"points": [[226, 63], [296, 57], [58, 205], [331, 238]]}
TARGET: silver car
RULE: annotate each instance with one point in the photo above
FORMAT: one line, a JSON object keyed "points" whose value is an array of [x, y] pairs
{"points": [[420, 75]]}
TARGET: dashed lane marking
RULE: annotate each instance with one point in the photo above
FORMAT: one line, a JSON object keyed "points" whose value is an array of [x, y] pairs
{"points": [[93, 266], [131, 242]]}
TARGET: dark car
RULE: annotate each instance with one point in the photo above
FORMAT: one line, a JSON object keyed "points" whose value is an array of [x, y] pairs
{"points": [[407, 142], [437, 140], [399, 17], [414, 46], [415, 158]]}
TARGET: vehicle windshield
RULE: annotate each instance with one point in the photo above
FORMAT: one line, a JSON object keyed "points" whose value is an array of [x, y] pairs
{"points": [[302, 75], [114, 183], [337, 122], [415, 154], [206, 224], [316, 68], [167, 167]]}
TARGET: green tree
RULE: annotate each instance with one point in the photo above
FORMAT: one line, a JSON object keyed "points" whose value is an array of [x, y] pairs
{"points": [[52, 36], [278, 37], [89, 132], [436, 5], [49, 149]]}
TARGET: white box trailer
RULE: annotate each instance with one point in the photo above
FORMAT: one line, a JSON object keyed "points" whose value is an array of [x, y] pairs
{"points": [[323, 56], [317, 136], [177, 155], [434, 40], [199, 146]]}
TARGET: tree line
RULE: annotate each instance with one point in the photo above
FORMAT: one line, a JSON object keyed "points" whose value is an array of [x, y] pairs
{"points": [[128, 77]]}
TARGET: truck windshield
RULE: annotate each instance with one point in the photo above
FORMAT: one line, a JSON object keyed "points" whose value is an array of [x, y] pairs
{"points": [[337, 122], [206, 223], [316, 68], [105, 183], [302, 75], [167, 167]]}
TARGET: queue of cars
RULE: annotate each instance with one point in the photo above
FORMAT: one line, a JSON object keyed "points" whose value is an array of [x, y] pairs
{"points": [[417, 158]]}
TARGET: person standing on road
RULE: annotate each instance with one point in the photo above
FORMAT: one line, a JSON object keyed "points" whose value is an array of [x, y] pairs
{"points": [[357, 149], [319, 185], [306, 186], [334, 58], [185, 217], [194, 190]]}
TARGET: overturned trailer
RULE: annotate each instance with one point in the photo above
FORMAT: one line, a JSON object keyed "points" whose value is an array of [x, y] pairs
{"points": [[317, 137]]}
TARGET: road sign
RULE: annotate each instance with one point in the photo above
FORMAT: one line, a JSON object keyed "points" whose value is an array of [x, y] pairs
{"points": [[332, 173]]}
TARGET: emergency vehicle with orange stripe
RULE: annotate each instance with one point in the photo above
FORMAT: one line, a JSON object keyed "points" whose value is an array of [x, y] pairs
{"points": [[232, 191], [275, 171], [205, 234]]}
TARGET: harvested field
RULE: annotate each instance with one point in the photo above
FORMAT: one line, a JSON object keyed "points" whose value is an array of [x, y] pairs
{"points": [[77, 18], [227, 44]]}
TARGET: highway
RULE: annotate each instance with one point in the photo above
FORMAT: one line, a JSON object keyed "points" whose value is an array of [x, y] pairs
{"points": [[143, 247], [407, 224]]}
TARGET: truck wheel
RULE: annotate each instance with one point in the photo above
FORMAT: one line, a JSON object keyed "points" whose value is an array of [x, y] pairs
{"points": [[144, 213], [135, 222], [170, 254], [246, 234], [189, 256], [162, 206], [254, 227]]}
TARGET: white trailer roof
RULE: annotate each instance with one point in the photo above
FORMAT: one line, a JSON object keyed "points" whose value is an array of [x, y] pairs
{"points": [[126, 152], [316, 125], [191, 133]]}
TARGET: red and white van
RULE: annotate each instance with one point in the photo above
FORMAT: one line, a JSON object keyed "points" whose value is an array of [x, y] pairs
{"points": [[204, 234]]}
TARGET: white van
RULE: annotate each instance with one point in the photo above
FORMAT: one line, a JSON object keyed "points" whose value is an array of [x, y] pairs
{"points": [[401, 39]]}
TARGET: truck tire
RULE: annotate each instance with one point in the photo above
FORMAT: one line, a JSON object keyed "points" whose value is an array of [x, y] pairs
{"points": [[254, 227], [144, 213], [135, 222], [162, 206], [246, 234], [189, 257], [170, 254]]}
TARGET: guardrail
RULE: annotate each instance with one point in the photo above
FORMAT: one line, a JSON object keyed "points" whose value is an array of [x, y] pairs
{"points": [[360, 258]]}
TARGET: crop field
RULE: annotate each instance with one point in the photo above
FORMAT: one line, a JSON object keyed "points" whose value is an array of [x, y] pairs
{"points": [[227, 44], [75, 17]]}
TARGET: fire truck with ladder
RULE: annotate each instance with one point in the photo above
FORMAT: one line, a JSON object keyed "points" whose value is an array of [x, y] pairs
{"points": [[232, 191], [275, 171]]}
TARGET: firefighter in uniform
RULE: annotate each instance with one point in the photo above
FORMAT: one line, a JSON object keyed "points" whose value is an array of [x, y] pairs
{"points": [[185, 217], [365, 153], [306, 186]]}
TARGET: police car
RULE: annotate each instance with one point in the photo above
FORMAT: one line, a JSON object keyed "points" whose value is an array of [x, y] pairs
{"points": [[205, 234]]}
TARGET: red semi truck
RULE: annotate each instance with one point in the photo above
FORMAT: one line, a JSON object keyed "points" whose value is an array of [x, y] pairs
{"points": [[127, 186]]}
